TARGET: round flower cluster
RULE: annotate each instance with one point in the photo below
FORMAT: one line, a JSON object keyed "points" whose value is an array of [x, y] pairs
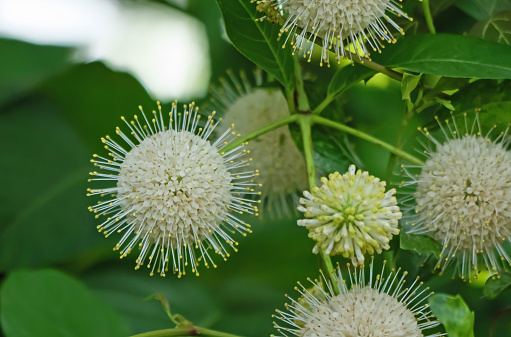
{"points": [[275, 154], [463, 198], [354, 307], [173, 191], [350, 214], [339, 23]]}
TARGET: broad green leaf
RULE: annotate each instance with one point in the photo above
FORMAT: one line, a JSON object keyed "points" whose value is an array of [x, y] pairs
{"points": [[497, 28], [454, 314], [48, 303], [491, 99], [93, 98], [421, 244], [483, 9], [348, 76], [258, 41], [449, 55], [497, 284], [23, 65], [43, 209], [186, 297]]}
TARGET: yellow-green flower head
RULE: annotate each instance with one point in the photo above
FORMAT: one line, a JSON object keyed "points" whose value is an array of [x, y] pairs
{"points": [[350, 214]]}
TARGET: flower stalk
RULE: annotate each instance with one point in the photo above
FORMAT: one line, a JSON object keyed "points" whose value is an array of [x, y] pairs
{"points": [[189, 330], [428, 16], [262, 131], [301, 96], [305, 122], [392, 149]]}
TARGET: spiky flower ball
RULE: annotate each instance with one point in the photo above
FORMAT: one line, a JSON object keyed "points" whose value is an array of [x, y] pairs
{"points": [[382, 307], [463, 197], [275, 154], [350, 214], [173, 190], [339, 23]]}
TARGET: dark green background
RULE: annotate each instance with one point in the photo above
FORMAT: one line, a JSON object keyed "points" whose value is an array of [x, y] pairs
{"points": [[52, 115]]}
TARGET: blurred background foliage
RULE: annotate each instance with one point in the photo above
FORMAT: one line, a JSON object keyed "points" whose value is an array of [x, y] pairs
{"points": [[70, 69]]}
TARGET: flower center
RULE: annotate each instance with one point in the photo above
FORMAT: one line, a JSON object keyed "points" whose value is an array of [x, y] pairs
{"points": [[466, 198], [174, 182], [362, 312]]}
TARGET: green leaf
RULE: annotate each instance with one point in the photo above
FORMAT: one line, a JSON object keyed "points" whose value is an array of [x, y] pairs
{"points": [[257, 41], [497, 284], [93, 98], [449, 55], [43, 208], [408, 84], [129, 297], [421, 244], [48, 303], [348, 76], [23, 65], [483, 9], [454, 314], [328, 157], [490, 98], [497, 28]]}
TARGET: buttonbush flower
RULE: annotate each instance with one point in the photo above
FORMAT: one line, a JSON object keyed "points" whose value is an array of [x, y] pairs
{"points": [[275, 154], [462, 197], [361, 305], [170, 191], [339, 23], [350, 214]]}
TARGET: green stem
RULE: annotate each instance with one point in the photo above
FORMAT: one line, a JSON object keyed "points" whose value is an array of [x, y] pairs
{"points": [[305, 122], [328, 99], [392, 149], [429, 18], [290, 99], [262, 131], [305, 127], [184, 332], [301, 96], [378, 67]]}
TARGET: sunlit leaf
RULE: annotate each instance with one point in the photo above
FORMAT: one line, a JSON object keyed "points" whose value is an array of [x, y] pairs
{"points": [[454, 314]]}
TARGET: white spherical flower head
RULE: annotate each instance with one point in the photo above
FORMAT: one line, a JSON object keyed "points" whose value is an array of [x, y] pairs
{"points": [[351, 214], [378, 308], [340, 23], [275, 154], [463, 199], [174, 190]]}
